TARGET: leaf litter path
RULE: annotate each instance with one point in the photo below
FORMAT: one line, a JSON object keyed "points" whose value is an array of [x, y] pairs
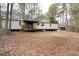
{"points": [[40, 43]]}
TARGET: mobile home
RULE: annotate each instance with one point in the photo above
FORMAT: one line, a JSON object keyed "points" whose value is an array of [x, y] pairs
{"points": [[26, 25]]}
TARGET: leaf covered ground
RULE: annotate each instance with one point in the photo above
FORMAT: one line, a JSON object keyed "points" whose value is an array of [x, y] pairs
{"points": [[39, 44]]}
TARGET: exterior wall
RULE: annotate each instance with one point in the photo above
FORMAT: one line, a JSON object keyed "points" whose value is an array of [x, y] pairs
{"points": [[54, 26], [34, 25], [14, 24], [47, 26], [24, 26], [17, 26]]}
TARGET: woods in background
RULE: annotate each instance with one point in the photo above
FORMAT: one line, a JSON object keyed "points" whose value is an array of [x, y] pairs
{"points": [[67, 15], [25, 11], [51, 14]]}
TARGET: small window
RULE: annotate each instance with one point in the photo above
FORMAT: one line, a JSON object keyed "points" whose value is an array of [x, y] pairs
{"points": [[50, 24], [37, 23], [20, 23], [42, 24]]}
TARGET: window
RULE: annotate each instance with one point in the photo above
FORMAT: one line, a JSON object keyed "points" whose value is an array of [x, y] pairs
{"points": [[20, 23], [50, 24], [42, 24], [37, 23]]}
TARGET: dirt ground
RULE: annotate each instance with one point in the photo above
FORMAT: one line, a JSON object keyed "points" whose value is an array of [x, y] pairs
{"points": [[48, 43]]}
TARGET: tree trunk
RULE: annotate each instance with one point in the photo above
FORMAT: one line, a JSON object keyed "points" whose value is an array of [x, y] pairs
{"points": [[0, 19], [65, 9], [10, 16], [7, 18], [74, 23], [66, 20]]}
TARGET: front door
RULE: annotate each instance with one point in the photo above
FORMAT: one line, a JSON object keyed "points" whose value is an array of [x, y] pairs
{"points": [[29, 25]]}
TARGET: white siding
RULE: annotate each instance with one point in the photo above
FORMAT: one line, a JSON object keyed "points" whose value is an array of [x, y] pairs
{"points": [[15, 25], [54, 26], [47, 26]]}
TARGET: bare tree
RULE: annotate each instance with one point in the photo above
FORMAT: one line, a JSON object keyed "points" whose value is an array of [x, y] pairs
{"points": [[22, 7], [7, 17], [65, 10], [10, 16], [0, 19]]}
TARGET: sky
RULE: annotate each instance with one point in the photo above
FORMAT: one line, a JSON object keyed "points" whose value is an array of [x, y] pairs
{"points": [[45, 5]]}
